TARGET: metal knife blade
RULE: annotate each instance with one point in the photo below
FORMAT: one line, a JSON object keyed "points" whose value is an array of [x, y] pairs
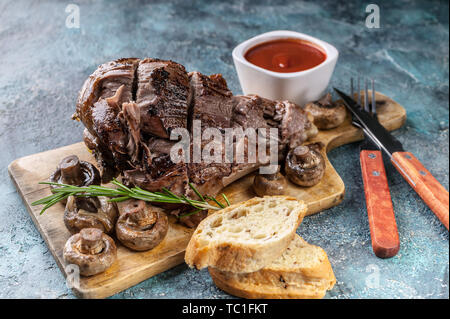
{"points": [[367, 144], [372, 128]]}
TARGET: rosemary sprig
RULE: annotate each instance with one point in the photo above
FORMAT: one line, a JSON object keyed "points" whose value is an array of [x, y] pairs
{"points": [[122, 193]]}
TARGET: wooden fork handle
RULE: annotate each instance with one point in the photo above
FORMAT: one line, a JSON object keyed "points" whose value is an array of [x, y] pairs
{"points": [[383, 227], [421, 180]]}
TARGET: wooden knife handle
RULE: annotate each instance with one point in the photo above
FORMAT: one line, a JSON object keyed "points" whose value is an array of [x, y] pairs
{"points": [[428, 188], [383, 227]]}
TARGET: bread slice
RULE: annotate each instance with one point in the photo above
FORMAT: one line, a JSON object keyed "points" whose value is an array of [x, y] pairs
{"points": [[247, 236], [302, 272]]}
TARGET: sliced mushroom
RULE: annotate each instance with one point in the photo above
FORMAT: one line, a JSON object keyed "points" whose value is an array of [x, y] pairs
{"points": [[326, 113], [90, 212], [269, 184], [141, 226], [92, 250], [72, 171], [305, 165]]}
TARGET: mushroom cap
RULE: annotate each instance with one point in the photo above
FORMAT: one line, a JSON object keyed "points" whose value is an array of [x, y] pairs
{"points": [[141, 226], [326, 114], [91, 250], [90, 212], [89, 174], [305, 165], [273, 184], [72, 171]]}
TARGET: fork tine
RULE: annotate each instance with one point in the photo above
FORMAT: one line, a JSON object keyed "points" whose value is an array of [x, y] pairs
{"points": [[374, 103], [366, 97], [351, 88], [358, 93]]}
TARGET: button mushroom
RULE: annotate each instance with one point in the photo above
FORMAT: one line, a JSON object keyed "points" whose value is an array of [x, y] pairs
{"points": [[305, 165], [90, 212], [269, 184], [141, 226], [91, 250], [326, 113], [72, 171]]}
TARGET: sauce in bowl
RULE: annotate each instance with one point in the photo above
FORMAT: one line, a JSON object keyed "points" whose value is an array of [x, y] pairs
{"points": [[286, 55]]}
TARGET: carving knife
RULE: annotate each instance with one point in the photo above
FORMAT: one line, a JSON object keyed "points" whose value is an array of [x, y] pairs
{"points": [[412, 170]]}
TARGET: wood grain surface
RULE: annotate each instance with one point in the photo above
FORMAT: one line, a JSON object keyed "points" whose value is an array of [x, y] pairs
{"points": [[134, 267]]}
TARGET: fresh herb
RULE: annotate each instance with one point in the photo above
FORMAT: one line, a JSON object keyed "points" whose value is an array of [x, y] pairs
{"points": [[123, 193]]}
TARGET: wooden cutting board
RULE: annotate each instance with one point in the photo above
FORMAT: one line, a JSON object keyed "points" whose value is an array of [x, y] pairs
{"points": [[134, 267]]}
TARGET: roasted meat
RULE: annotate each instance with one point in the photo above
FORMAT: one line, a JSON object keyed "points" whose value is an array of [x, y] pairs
{"points": [[162, 96], [212, 102], [130, 107]]}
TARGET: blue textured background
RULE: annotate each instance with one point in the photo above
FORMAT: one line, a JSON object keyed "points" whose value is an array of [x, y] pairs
{"points": [[43, 65]]}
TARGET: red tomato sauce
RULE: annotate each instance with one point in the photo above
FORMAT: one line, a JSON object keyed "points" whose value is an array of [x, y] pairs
{"points": [[286, 55]]}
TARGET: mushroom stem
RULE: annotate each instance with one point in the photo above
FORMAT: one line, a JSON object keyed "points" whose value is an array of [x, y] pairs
{"points": [[301, 152], [71, 170], [140, 215], [91, 241], [141, 226], [325, 100], [144, 220]]}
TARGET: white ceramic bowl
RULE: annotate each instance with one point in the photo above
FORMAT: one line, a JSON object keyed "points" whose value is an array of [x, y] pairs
{"points": [[298, 87]]}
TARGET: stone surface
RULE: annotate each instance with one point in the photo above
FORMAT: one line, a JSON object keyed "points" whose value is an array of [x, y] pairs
{"points": [[43, 65]]}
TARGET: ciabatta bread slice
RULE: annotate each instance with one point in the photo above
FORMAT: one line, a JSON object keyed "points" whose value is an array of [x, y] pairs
{"points": [[247, 236], [302, 272]]}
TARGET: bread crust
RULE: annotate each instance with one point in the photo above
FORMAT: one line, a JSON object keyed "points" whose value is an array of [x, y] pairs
{"points": [[236, 257], [274, 282]]}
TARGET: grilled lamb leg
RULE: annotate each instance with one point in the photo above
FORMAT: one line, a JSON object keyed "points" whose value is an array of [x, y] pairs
{"points": [[130, 106]]}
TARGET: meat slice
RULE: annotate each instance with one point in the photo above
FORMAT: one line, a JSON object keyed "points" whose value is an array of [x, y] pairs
{"points": [[104, 83], [207, 175], [162, 96], [248, 111], [107, 126], [131, 119], [212, 102], [292, 123], [105, 135], [289, 118], [157, 170]]}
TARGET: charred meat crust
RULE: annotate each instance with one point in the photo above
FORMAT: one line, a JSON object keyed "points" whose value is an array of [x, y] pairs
{"points": [[162, 96]]}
